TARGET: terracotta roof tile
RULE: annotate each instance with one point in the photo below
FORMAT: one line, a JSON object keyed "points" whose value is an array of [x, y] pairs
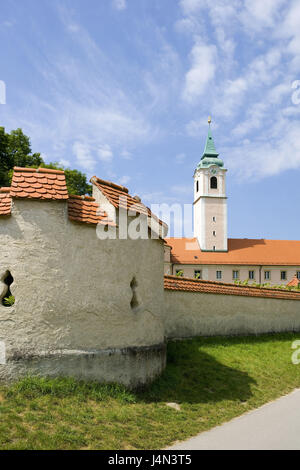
{"points": [[174, 283], [5, 201], [84, 209], [240, 252], [118, 196], [41, 183], [51, 185]]}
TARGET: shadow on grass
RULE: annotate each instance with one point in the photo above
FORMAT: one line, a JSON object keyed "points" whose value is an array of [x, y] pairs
{"points": [[240, 340], [193, 376]]}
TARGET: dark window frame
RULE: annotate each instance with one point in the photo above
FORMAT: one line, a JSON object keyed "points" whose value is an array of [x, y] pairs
{"points": [[284, 274], [213, 182]]}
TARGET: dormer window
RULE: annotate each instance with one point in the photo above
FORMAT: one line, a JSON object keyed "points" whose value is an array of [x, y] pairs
{"points": [[213, 182]]}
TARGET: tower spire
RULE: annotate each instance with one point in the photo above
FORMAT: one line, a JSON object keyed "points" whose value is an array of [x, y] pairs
{"points": [[210, 154], [210, 149]]}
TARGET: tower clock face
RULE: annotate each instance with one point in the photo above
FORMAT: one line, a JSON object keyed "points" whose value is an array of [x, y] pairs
{"points": [[213, 171]]}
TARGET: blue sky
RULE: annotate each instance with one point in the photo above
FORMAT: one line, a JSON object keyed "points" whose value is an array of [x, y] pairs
{"points": [[123, 89]]}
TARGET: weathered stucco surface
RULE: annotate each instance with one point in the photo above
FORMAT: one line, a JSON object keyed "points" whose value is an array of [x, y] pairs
{"points": [[73, 293], [189, 314]]}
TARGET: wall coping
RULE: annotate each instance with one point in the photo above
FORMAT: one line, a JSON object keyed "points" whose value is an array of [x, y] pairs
{"points": [[174, 283]]}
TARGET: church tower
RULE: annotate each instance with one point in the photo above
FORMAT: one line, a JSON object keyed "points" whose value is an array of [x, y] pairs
{"points": [[210, 201]]}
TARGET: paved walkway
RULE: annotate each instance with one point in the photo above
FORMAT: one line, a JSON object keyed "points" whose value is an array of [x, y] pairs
{"points": [[275, 426]]}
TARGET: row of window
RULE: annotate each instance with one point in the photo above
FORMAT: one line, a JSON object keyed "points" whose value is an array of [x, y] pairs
{"points": [[236, 274], [213, 183]]}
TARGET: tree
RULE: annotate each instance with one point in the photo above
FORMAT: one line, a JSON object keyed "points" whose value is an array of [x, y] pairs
{"points": [[15, 150], [19, 149], [5, 159]]}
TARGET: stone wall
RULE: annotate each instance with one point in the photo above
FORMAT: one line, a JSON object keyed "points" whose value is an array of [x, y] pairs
{"points": [[73, 312], [189, 314]]}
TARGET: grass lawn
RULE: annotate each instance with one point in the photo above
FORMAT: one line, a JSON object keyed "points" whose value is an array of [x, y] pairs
{"points": [[212, 379]]}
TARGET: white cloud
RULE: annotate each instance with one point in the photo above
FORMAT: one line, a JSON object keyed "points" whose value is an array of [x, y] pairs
{"points": [[275, 151], [253, 84], [126, 155], [159, 197], [124, 180], [253, 15], [260, 14], [83, 155], [201, 72], [180, 158], [221, 14], [290, 28], [188, 26], [88, 105], [192, 6], [194, 128], [232, 94], [64, 162], [259, 114], [254, 120], [182, 189], [120, 4], [8, 24], [162, 77], [105, 153]]}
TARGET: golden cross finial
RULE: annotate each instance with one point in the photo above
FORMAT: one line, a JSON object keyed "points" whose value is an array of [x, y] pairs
{"points": [[209, 120]]}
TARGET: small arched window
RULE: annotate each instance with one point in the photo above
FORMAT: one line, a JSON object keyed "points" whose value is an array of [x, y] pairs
{"points": [[213, 182], [7, 298], [197, 186]]}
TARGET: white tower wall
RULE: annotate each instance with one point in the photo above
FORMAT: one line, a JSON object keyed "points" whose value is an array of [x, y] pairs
{"points": [[210, 209]]}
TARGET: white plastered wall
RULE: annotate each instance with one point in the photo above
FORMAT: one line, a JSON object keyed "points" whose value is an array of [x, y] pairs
{"points": [[189, 314], [73, 290]]}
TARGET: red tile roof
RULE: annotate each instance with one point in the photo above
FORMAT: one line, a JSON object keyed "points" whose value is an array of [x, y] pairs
{"points": [[294, 282], [5, 201], [41, 183], [48, 184], [119, 196], [174, 283], [240, 252], [84, 209]]}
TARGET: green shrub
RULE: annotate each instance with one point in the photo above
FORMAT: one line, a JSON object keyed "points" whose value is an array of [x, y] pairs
{"points": [[9, 301], [179, 273]]}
